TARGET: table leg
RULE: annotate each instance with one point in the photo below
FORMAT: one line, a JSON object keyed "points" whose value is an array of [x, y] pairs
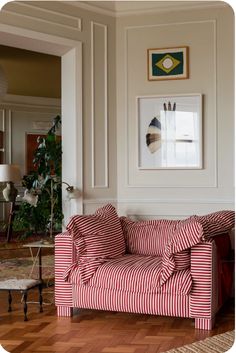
{"points": [[9, 301], [34, 260], [25, 305], [40, 264], [40, 298]]}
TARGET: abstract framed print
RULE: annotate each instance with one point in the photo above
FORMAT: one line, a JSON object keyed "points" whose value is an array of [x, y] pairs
{"points": [[170, 132], [168, 63]]}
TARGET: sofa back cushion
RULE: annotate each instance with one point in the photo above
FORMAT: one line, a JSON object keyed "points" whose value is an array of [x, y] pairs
{"points": [[97, 238], [151, 238], [216, 223], [147, 237]]}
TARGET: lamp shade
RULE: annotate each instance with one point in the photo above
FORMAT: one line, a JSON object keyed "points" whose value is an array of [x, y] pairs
{"points": [[3, 83], [10, 172]]}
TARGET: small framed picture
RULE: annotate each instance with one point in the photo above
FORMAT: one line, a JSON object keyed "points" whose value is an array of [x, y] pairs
{"points": [[168, 63]]}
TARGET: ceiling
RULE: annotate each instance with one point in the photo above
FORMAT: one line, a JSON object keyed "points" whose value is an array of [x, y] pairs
{"points": [[124, 8]]}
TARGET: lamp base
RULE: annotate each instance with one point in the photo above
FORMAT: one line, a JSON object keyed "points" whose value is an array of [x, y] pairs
{"points": [[10, 192]]}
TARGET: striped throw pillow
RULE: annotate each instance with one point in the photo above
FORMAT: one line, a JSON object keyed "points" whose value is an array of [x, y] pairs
{"points": [[150, 238], [147, 237], [97, 238], [216, 223]]}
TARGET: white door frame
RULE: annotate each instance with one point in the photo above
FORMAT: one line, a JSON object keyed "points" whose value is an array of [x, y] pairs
{"points": [[71, 75]]}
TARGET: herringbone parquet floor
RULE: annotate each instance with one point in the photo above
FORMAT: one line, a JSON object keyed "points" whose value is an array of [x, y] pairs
{"points": [[91, 331]]}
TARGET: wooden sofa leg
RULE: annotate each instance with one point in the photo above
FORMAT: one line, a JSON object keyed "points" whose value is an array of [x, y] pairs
{"points": [[204, 324], [65, 311]]}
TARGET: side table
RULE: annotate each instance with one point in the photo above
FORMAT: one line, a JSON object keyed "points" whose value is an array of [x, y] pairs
{"points": [[39, 245]]}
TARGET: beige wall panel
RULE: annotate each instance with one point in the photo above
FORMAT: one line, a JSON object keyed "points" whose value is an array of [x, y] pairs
{"points": [[39, 17], [22, 123], [200, 37], [177, 192], [209, 34], [48, 16], [2, 135], [102, 170], [99, 105], [52, 17], [169, 209]]}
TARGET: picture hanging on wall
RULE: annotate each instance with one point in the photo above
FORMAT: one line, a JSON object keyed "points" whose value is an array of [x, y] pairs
{"points": [[168, 63], [170, 132]]}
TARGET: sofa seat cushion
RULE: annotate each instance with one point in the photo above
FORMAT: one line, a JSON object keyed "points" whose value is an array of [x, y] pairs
{"points": [[135, 273], [97, 238]]}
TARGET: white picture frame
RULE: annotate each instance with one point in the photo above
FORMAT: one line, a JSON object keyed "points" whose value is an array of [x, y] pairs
{"points": [[170, 131]]}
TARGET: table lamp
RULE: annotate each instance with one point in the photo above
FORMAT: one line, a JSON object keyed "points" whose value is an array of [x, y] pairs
{"points": [[10, 173]]}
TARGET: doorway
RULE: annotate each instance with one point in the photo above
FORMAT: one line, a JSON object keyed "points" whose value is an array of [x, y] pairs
{"points": [[70, 52]]}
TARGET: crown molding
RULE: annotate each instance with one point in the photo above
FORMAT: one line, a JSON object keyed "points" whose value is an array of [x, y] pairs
{"points": [[89, 7], [167, 6], [18, 100], [22, 8]]}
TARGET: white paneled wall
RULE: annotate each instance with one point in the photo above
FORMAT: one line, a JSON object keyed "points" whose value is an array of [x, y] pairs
{"points": [[99, 107], [177, 193], [114, 74], [22, 115]]}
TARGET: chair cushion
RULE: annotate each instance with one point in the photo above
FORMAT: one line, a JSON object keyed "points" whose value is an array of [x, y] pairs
{"points": [[19, 284], [97, 238], [150, 238], [137, 274], [147, 237]]}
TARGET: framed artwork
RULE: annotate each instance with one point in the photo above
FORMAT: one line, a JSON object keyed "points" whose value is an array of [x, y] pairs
{"points": [[170, 132], [168, 63]]}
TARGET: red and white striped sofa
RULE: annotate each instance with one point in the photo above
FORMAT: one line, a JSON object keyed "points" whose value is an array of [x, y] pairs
{"points": [[159, 267]]}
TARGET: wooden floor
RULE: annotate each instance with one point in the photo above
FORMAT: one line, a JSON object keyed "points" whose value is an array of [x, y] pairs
{"points": [[91, 331]]}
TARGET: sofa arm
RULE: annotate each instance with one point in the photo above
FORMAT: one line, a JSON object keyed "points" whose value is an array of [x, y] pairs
{"points": [[64, 257], [204, 293]]}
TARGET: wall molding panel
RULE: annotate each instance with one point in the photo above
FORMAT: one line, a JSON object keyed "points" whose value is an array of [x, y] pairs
{"points": [[47, 16], [158, 209], [121, 11], [99, 106], [3, 129], [146, 217], [133, 176], [91, 205], [30, 101], [9, 137], [157, 201], [174, 201], [175, 209], [99, 201], [15, 106]]}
